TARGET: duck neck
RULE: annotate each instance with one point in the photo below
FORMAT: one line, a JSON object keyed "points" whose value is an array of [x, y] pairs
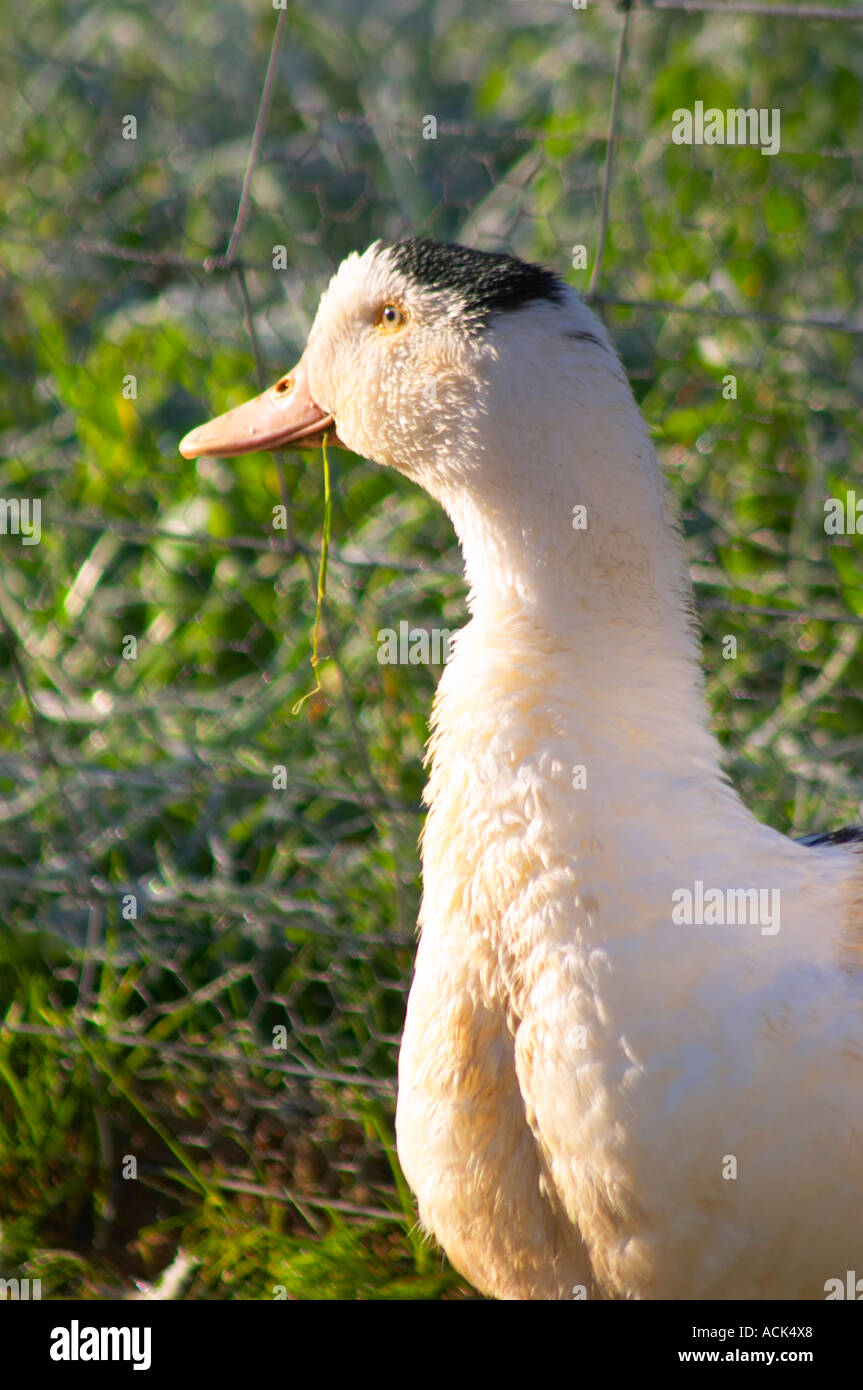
{"points": [[589, 572]]}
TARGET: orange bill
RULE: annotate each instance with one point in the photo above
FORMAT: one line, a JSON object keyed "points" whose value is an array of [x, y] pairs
{"points": [[285, 414]]}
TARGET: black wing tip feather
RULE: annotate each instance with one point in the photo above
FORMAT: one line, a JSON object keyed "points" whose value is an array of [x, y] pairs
{"points": [[849, 835], [488, 282]]}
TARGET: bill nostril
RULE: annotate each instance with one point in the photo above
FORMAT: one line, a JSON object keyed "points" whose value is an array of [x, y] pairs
{"points": [[282, 387]]}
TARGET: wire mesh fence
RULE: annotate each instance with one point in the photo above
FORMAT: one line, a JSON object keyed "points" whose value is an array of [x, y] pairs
{"points": [[209, 899]]}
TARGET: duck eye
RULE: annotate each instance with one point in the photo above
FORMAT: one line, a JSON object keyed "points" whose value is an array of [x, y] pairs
{"points": [[390, 316]]}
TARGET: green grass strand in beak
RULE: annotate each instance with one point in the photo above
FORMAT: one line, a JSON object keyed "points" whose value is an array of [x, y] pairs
{"points": [[322, 578]]}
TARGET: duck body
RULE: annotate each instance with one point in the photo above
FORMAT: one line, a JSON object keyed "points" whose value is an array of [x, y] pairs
{"points": [[667, 1110], [598, 1097]]}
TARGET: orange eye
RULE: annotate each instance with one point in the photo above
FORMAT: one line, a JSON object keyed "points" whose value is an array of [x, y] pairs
{"points": [[391, 316]]}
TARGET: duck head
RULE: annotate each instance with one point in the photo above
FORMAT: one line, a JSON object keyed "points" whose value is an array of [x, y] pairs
{"points": [[487, 381], [419, 354]]}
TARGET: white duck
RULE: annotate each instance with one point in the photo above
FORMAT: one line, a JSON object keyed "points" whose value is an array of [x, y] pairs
{"points": [[594, 1098]]}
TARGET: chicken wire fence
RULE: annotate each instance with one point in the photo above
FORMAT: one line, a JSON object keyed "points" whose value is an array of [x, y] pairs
{"points": [[209, 895]]}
